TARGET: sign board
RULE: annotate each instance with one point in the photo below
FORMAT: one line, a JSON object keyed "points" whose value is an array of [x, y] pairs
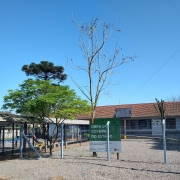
{"points": [[98, 141]]}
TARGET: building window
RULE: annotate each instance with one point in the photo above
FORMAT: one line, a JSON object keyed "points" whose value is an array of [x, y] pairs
{"points": [[142, 124], [133, 124], [170, 123], [145, 124], [139, 124]]}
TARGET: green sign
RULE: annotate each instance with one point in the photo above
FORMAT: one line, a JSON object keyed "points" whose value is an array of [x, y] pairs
{"points": [[98, 135]]}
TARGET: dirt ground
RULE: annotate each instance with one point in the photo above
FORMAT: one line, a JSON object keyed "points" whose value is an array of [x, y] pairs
{"points": [[56, 148]]}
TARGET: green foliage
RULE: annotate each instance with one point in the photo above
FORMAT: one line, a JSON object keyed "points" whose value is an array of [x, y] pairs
{"points": [[45, 71], [86, 135], [44, 100]]}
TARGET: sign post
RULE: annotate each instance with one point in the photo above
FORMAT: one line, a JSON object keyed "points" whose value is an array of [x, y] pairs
{"points": [[98, 135], [107, 137]]}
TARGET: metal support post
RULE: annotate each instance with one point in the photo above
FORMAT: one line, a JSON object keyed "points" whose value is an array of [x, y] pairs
{"points": [[22, 135], [3, 138], [124, 136], [107, 137], [30, 145], [164, 140], [80, 135], [65, 135], [21, 139], [12, 139], [16, 134], [62, 153]]}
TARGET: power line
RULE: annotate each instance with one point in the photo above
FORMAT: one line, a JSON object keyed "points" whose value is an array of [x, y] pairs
{"points": [[156, 71], [174, 6]]}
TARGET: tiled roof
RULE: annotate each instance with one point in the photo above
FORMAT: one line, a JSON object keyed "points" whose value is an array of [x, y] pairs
{"points": [[137, 110], [8, 117]]}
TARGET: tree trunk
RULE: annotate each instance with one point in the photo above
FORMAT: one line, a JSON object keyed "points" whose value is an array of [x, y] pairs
{"points": [[50, 147], [92, 122]]}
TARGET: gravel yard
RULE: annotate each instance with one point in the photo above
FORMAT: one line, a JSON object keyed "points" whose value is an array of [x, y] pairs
{"points": [[140, 159]]}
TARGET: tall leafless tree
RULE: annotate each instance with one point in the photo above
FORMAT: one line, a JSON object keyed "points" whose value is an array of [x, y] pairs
{"points": [[161, 108], [99, 65], [174, 99]]}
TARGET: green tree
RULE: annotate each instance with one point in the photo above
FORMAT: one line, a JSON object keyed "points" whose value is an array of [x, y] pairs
{"points": [[46, 71], [44, 101]]}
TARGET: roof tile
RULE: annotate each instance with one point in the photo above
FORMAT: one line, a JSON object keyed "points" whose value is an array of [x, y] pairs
{"points": [[138, 110]]}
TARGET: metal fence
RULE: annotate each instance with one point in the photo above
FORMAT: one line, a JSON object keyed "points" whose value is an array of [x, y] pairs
{"points": [[10, 138]]}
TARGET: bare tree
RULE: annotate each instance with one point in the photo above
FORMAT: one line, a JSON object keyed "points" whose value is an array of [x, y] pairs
{"points": [[174, 98], [99, 66], [161, 108]]}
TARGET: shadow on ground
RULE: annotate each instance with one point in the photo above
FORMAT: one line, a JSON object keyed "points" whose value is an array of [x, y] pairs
{"points": [[171, 144]]}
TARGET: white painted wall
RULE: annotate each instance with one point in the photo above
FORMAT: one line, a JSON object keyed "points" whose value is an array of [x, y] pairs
{"points": [[1, 119], [156, 127]]}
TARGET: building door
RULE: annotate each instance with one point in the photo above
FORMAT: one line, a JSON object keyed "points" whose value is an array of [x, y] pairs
{"points": [[156, 127]]}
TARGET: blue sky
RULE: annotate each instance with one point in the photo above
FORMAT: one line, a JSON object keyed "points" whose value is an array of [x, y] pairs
{"points": [[36, 30]]}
